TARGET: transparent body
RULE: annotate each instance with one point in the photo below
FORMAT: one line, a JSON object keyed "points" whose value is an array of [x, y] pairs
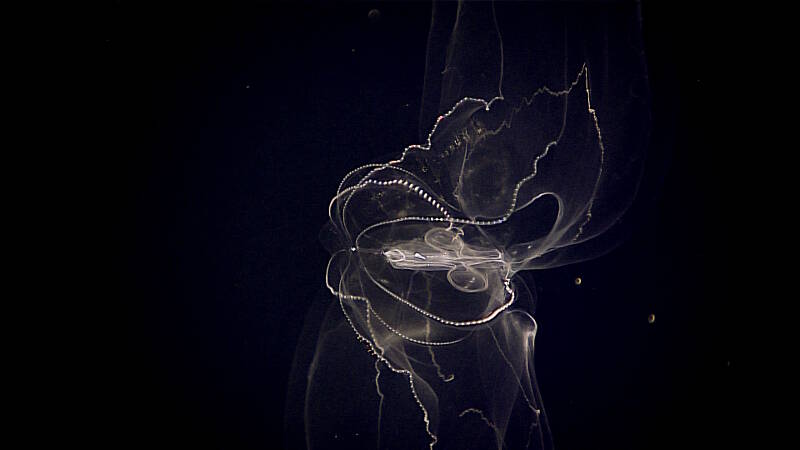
{"points": [[536, 122]]}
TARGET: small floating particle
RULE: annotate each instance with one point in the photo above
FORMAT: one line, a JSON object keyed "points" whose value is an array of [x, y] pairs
{"points": [[374, 15]]}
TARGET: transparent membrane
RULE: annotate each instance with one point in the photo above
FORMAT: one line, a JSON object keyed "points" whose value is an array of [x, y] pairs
{"points": [[535, 123]]}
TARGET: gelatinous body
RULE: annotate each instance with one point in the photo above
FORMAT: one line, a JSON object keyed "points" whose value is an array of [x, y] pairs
{"points": [[537, 121]]}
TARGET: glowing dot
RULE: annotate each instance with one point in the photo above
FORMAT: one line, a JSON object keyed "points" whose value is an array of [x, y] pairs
{"points": [[439, 118], [651, 318], [578, 281]]}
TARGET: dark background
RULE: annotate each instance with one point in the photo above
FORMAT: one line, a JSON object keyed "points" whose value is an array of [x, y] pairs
{"points": [[233, 125]]}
